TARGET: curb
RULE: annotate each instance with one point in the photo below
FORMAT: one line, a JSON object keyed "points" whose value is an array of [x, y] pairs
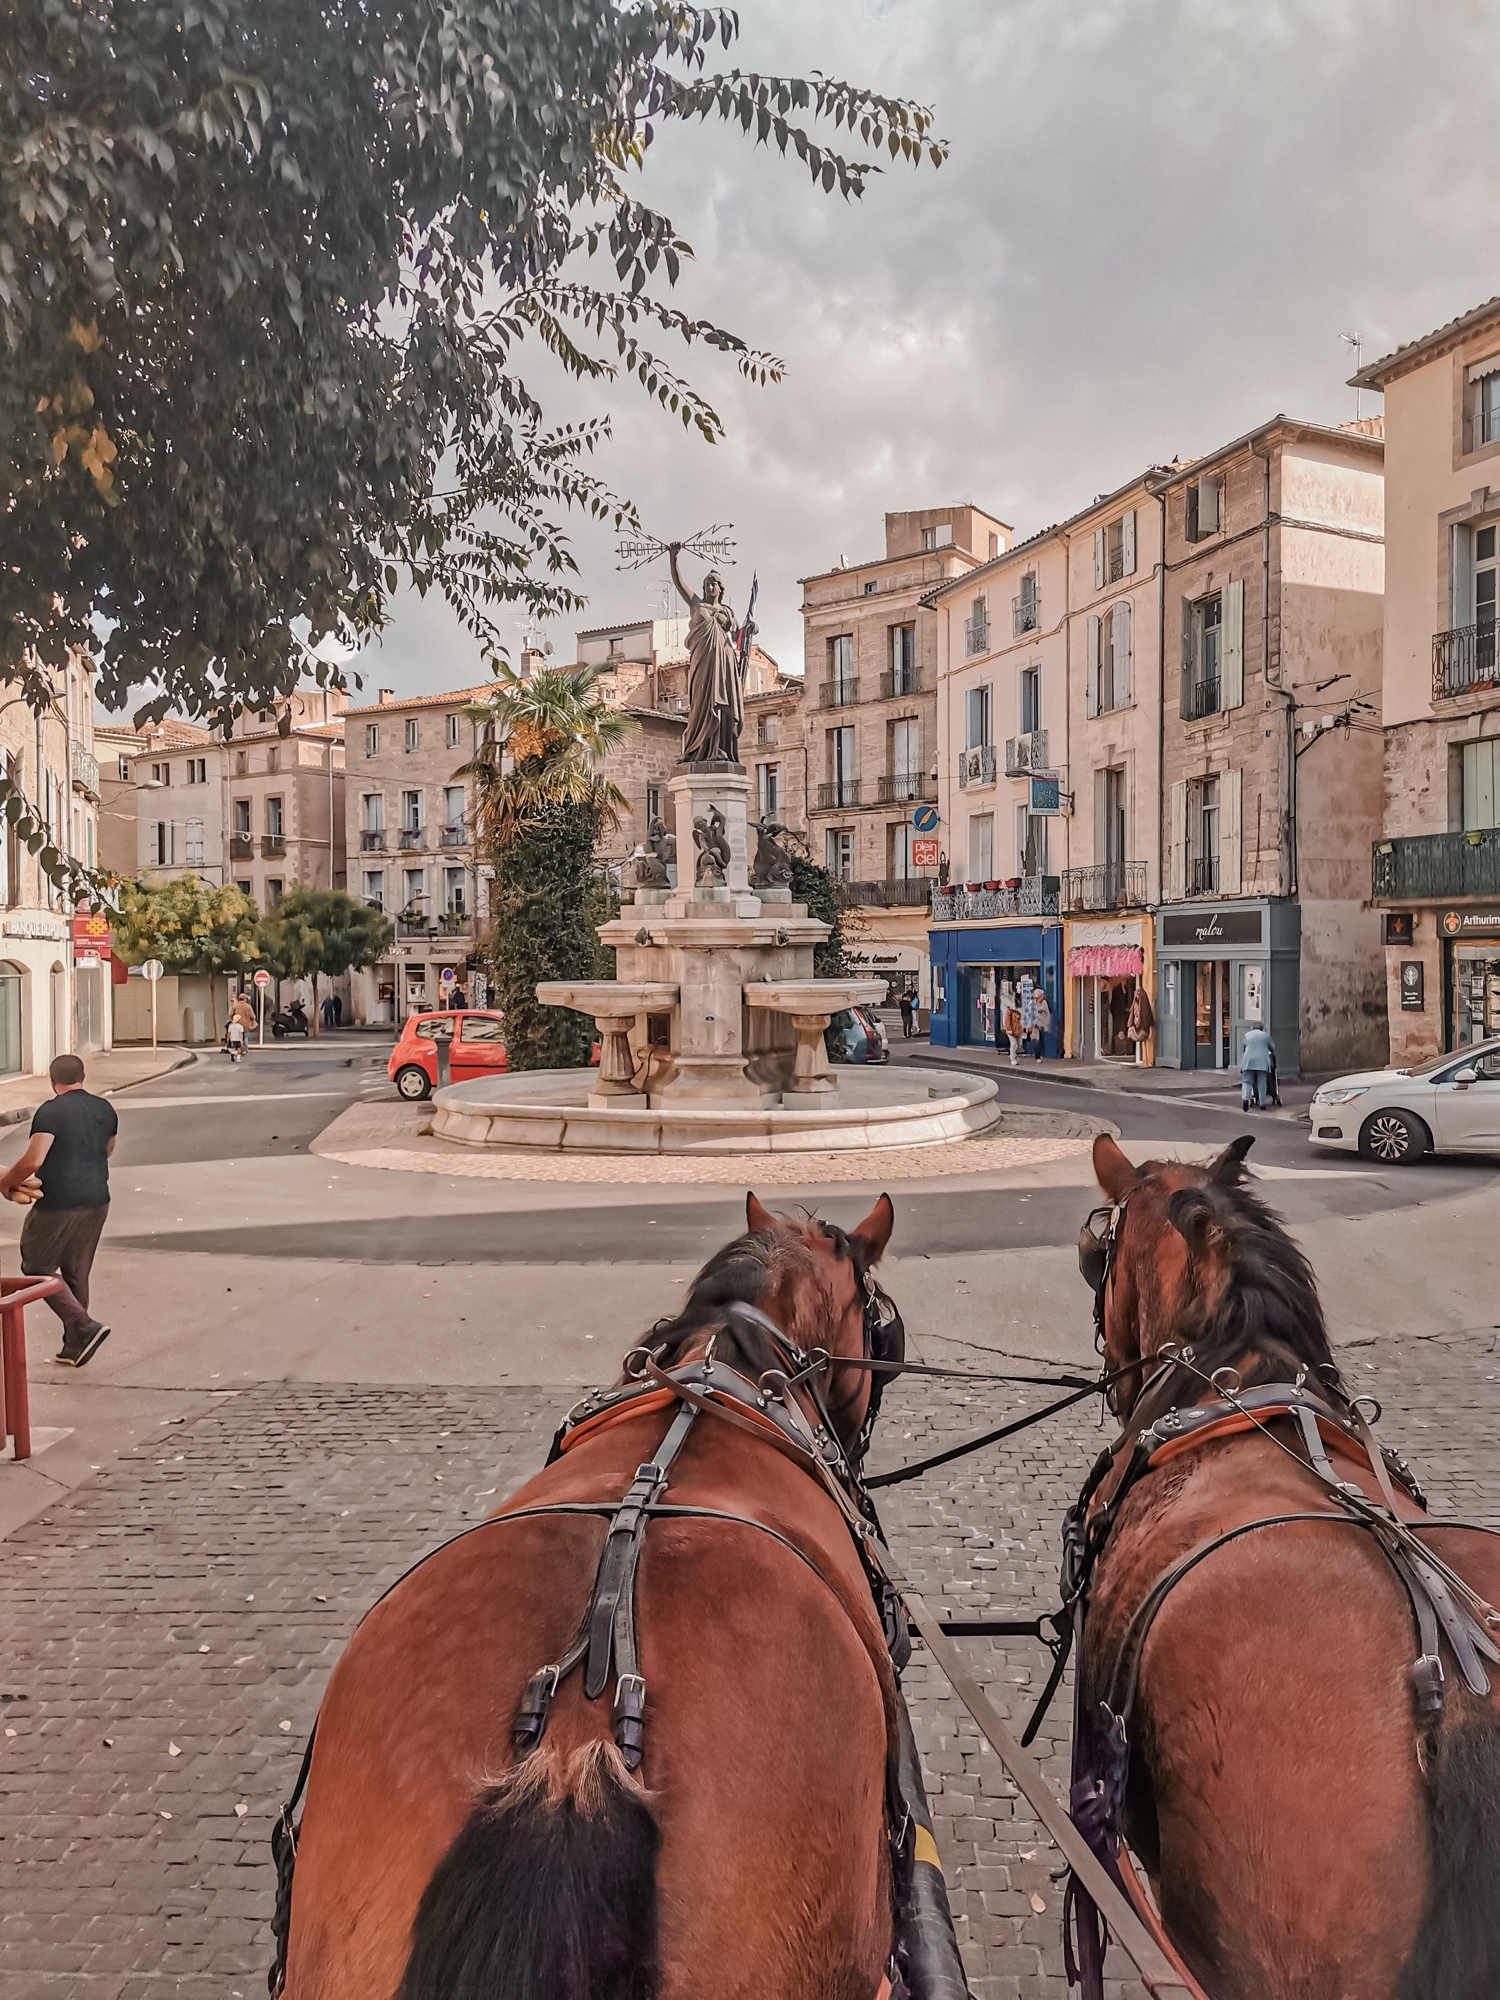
{"points": [[27, 1112]]}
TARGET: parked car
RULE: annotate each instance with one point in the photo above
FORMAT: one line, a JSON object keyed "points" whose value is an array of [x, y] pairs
{"points": [[476, 1048], [1449, 1105], [864, 1036]]}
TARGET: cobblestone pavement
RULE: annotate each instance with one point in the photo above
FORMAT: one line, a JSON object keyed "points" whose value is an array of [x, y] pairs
{"points": [[166, 1631]]}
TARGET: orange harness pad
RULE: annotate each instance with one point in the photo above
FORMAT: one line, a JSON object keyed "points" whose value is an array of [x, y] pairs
{"points": [[1231, 1426], [639, 1406]]}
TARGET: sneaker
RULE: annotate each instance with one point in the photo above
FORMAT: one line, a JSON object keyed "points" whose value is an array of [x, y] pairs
{"points": [[76, 1357]]}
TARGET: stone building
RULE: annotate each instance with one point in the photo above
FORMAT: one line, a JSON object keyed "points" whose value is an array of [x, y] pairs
{"points": [[1436, 860], [1273, 603], [773, 751], [117, 745], [869, 722]]}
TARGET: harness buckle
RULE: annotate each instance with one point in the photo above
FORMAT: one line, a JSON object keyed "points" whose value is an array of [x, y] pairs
{"points": [[530, 1724], [1427, 1681], [629, 1724]]}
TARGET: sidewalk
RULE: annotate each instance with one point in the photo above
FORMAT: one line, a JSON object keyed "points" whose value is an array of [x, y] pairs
{"points": [[105, 1072], [1125, 1077]]}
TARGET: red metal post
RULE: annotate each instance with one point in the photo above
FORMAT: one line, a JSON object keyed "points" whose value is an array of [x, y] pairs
{"points": [[15, 1295]]}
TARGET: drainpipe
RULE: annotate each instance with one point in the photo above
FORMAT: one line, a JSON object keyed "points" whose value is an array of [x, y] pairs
{"points": [[1279, 688], [1161, 700]]}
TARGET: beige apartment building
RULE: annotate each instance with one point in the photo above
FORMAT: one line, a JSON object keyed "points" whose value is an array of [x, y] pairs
{"points": [[1436, 860], [117, 745], [869, 722], [1270, 776]]}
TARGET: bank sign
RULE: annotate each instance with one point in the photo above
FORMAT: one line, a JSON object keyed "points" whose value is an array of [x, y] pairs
{"points": [[1211, 928]]}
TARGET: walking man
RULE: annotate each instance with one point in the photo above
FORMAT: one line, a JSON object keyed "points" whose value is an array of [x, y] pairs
{"points": [[905, 1015], [1256, 1059], [72, 1138]]}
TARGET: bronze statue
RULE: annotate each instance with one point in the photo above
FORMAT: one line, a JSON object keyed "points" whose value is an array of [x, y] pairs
{"points": [[716, 672], [773, 864], [709, 837]]}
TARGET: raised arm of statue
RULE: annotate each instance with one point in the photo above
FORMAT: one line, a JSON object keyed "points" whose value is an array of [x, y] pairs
{"points": [[682, 589]]}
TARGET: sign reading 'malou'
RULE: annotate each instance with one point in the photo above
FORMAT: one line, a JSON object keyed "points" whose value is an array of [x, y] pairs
{"points": [[1211, 928]]}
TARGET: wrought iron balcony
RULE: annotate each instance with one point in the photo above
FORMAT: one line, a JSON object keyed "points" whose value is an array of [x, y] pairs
{"points": [[85, 772], [976, 634], [413, 836], [454, 835], [1464, 660], [1203, 699], [273, 843], [1025, 615], [1109, 885], [1032, 896], [893, 684], [372, 840], [840, 693], [912, 893], [842, 792], [241, 846], [976, 766], [1025, 754], [1436, 867], [1203, 875], [415, 927], [904, 788]]}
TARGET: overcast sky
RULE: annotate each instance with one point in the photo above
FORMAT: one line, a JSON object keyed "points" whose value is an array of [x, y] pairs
{"points": [[1157, 219]]}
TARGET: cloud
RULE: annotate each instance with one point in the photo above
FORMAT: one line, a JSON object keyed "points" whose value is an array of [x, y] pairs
{"points": [[1157, 218]]}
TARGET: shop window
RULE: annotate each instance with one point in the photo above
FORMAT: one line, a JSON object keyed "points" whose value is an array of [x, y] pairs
{"points": [[939, 989], [1253, 995]]}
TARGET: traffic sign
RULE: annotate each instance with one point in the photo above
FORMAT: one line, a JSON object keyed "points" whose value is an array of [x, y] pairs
{"points": [[152, 970], [263, 978], [448, 977], [924, 853], [925, 819]]}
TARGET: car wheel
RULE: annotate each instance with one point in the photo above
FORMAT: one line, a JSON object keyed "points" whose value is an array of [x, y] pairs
{"points": [[412, 1084], [1393, 1138]]}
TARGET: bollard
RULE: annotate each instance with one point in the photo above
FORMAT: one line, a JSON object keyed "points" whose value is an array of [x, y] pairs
{"points": [[444, 1046]]}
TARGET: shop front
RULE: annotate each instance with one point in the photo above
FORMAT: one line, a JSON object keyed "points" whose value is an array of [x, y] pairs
{"points": [[1106, 962], [903, 967], [1471, 969], [978, 970], [1220, 971]]}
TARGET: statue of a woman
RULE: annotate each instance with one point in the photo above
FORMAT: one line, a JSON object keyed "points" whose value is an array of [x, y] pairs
{"points": [[716, 698]]}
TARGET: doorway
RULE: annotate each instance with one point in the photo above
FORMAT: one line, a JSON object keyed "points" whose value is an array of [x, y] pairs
{"points": [[1209, 1024]]}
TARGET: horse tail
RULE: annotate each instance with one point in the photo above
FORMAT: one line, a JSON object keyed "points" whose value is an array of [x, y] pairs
{"points": [[548, 1892], [1456, 1955]]}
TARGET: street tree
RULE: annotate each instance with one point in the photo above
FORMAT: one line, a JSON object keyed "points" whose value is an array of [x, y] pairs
{"points": [[191, 926], [317, 934], [266, 278], [541, 803]]}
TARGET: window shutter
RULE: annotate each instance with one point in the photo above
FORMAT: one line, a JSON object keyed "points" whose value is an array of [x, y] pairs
{"points": [[1190, 512], [1127, 542], [1101, 574], [1101, 816], [1120, 648], [1230, 846], [1091, 703], [1460, 576], [1185, 701], [1177, 843], [1232, 667], [1208, 505]]}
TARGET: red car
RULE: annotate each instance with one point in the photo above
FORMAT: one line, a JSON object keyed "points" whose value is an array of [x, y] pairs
{"points": [[476, 1048]]}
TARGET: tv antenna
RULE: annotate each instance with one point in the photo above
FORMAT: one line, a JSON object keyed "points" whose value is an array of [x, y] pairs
{"points": [[711, 545], [1356, 345]]}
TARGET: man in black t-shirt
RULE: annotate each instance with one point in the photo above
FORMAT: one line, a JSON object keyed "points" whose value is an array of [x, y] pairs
{"points": [[64, 1177]]}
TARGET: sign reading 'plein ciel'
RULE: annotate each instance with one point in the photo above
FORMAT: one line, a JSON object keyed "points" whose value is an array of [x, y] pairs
{"points": [[1212, 927]]}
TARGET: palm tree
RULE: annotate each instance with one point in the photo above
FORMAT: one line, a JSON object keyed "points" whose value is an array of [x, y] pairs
{"points": [[553, 730]]}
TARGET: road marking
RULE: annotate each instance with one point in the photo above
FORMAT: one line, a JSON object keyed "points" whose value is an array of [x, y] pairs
{"points": [[226, 1097]]}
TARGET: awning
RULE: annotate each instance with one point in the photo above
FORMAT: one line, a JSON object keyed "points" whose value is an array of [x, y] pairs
{"points": [[1104, 961]]}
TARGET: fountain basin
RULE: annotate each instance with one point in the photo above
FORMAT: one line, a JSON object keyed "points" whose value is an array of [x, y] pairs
{"points": [[873, 1107]]}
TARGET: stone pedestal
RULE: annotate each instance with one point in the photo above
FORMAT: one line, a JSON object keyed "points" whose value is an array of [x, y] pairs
{"points": [[696, 790]]}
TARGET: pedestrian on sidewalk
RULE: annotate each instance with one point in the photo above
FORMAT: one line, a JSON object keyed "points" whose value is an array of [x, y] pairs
{"points": [[234, 1036], [242, 1011], [338, 1010], [63, 1180], [1043, 1021], [1010, 1027], [906, 1013], [1256, 1059], [328, 1013]]}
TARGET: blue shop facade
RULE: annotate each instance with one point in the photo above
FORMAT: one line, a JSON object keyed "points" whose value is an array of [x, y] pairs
{"points": [[976, 968]]}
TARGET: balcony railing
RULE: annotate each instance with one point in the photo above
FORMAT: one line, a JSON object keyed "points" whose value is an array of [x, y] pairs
{"points": [[904, 788], [910, 893], [894, 685], [976, 766], [1203, 699], [454, 836], [839, 694], [415, 927], [372, 840], [842, 792], [273, 843], [1203, 875], [1115, 565], [413, 836], [976, 635], [1438, 866], [1464, 660], [1109, 885], [85, 772], [1025, 754], [1025, 615], [241, 846], [1033, 896]]}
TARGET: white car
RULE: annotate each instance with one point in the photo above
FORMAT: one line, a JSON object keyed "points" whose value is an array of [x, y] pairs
{"points": [[1450, 1105]]}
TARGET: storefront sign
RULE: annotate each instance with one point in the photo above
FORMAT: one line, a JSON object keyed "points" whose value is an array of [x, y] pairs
{"points": [[896, 958], [924, 819], [1046, 794], [1413, 976], [1212, 928], [1400, 926], [1470, 923], [91, 932], [52, 928], [924, 853], [1107, 930]]}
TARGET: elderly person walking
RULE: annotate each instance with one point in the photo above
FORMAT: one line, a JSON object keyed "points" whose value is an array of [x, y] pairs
{"points": [[72, 1138], [1255, 1068]]}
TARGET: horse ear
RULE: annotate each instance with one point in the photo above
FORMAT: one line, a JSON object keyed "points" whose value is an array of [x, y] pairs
{"points": [[1191, 1214], [757, 1217], [1228, 1169], [874, 1232], [1112, 1170]]}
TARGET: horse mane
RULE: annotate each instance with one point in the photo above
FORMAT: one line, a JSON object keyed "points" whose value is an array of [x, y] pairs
{"points": [[1269, 1307]]}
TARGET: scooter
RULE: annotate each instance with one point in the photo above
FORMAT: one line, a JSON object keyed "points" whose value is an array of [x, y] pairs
{"points": [[291, 1021]]}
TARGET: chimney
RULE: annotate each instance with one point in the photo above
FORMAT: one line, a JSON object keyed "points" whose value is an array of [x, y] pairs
{"points": [[386, 696]]}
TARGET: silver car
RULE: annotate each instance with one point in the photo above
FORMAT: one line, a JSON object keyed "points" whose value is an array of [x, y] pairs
{"points": [[1449, 1105]]}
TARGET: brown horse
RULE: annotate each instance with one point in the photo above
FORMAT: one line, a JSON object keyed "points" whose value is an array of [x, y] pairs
{"points": [[1311, 1827], [749, 1854]]}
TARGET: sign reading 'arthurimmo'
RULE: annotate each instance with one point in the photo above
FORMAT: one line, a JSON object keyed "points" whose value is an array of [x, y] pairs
{"points": [[1211, 928]]}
